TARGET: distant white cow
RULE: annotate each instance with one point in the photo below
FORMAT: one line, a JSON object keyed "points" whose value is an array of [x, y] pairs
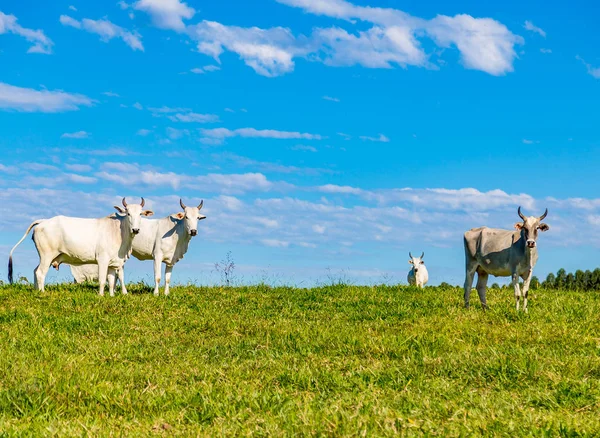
{"points": [[163, 240], [105, 242], [503, 253], [418, 275]]}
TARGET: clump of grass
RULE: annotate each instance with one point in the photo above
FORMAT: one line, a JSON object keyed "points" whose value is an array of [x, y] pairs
{"points": [[331, 360]]}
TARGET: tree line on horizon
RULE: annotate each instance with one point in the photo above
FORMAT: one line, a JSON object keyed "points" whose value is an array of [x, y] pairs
{"points": [[580, 281]]}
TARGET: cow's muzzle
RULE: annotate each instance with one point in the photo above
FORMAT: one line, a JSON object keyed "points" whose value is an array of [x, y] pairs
{"points": [[531, 243], [135, 230], [193, 232]]}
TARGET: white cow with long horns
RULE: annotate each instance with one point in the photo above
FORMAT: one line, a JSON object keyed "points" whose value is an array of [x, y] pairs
{"points": [[503, 253], [418, 275], [105, 242], [163, 240]]}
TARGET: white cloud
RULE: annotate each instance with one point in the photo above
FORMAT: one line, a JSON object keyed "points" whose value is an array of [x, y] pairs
{"points": [[41, 43], [533, 28], [546, 51], [222, 133], [176, 134], [30, 100], [305, 148], [106, 29], [138, 106], [80, 179], [143, 132], [268, 51], [593, 71], [194, 118], [332, 99], [78, 167], [110, 94], [76, 135], [265, 166], [484, 44], [166, 110], [166, 14], [381, 138], [72, 8], [527, 141], [332, 188], [205, 69], [344, 136]]}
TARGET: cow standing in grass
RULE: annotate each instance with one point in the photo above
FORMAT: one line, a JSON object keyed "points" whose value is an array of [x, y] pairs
{"points": [[418, 275], [503, 253], [163, 240], [104, 242]]}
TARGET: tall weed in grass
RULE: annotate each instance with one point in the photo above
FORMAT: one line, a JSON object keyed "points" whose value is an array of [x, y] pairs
{"points": [[331, 360]]}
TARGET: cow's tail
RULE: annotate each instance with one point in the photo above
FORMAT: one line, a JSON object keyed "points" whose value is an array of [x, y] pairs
{"points": [[10, 261]]}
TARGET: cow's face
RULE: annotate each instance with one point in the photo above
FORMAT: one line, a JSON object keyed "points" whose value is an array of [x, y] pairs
{"points": [[191, 216], [133, 215], [530, 227], [417, 262]]}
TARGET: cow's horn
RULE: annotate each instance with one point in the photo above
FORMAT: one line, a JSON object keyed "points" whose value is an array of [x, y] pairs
{"points": [[201, 205], [410, 255], [422, 255], [181, 203], [143, 202], [542, 217], [124, 203], [520, 214]]}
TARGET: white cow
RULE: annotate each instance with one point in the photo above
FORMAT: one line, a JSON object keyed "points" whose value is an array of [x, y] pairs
{"points": [[163, 240], [105, 242], [418, 274]]}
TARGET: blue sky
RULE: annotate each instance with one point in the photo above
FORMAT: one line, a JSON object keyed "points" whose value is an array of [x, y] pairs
{"points": [[327, 138]]}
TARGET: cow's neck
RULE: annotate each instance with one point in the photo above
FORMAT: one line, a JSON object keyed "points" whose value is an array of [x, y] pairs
{"points": [[183, 238], [126, 238]]}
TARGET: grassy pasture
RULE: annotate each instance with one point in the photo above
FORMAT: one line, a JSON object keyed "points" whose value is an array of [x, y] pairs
{"points": [[335, 360]]}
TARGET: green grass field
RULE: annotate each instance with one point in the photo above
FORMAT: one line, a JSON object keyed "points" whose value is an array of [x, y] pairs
{"points": [[335, 360]]}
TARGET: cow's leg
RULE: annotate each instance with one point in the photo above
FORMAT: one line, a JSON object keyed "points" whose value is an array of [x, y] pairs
{"points": [[121, 273], [102, 274], [526, 281], [39, 274], [470, 274], [482, 279], [515, 281], [168, 271], [111, 281], [157, 267]]}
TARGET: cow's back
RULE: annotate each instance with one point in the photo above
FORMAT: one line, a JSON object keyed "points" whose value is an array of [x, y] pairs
{"points": [[74, 237]]}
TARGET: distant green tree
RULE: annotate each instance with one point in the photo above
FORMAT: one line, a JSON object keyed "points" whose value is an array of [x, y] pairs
{"points": [[595, 279], [579, 280], [495, 286], [561, 279], [569, 282], [550, 282], [535, 283], [587, 280]]}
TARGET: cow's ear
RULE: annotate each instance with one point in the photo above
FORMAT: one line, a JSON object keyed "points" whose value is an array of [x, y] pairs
{"points": [[422, 262], [179, 215], [410, 262], [119, 209], [147, 213], [518, 225], [544, 227]]}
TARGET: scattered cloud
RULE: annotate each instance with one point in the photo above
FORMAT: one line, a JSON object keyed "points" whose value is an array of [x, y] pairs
{"points": [[194, 118], [143, 132], [176, 134], [381, 138], [166, 14], [546, 51], [305, 148], [205, 69], [76, 135], [106, 29], [138, 106], [344, 136], [533, 28], [41, 43], [110, 94], [269, 167], [222, 133], [45, 101], [594, 71], [332, 99], [527, 141], [78, 167], [72, 8]]}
